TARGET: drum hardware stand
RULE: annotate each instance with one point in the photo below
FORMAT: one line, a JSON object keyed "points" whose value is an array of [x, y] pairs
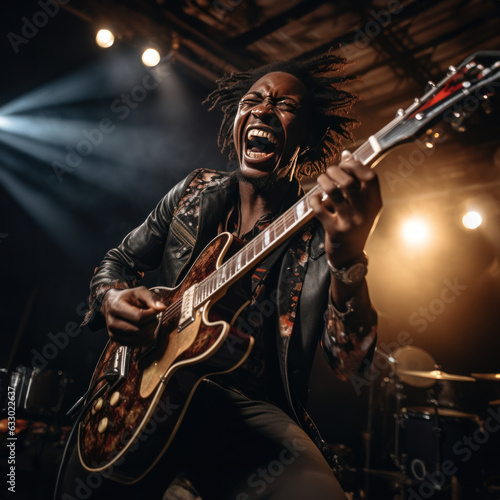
{"points": [[433, 400], [396, 456]]}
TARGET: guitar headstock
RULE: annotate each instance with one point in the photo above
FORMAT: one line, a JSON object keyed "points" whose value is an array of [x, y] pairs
{"points": [[455, 97]]}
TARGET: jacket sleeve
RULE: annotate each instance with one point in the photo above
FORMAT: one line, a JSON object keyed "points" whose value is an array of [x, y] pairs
{"points": [[141, 250], [349, 337]]}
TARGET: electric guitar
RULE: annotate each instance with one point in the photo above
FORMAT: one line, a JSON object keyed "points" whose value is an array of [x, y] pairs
{"points": [[137, 398]]}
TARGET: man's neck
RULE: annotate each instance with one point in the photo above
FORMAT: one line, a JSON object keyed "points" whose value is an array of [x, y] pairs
{"points": [[255, 202]]}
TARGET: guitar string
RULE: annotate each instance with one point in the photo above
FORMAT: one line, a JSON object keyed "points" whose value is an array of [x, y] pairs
{"points": [[288, 218]]}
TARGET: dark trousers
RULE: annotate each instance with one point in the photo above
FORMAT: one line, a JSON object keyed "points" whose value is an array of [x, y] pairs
{"points": [[230, 448]]}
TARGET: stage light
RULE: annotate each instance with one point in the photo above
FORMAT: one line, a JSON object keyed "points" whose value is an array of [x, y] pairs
{"points": [[415, 232], [3, 122], [104, 38], [472, 220], [150, 57]]}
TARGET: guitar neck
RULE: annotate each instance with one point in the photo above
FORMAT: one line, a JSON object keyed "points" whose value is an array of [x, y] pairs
{"points": [[275, 234]]}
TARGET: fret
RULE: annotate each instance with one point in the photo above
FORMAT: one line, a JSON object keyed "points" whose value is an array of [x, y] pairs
{"points": [[249, 253], [280, 227], [272, 232], [230, 268], [299, 210], [267, 238], [258, 245], [307, 204], [367, 151]]}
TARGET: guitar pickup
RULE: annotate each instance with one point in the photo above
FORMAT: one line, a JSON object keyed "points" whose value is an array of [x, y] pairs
{"points": [[187, 308], [121, 365]]}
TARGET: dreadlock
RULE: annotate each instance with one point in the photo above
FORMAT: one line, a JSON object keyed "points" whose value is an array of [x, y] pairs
{"points": [[328, 106]]}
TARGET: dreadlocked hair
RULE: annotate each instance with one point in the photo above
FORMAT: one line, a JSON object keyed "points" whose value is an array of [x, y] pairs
{"points": [[329, 106]]}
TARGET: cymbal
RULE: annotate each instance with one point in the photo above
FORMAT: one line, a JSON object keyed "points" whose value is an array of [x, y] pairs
{"points": [[487, 376], [437, 375], [495, 402], [413, 358]]}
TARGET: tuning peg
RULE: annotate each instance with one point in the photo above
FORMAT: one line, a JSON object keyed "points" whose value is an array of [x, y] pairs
{"points": [[430, 86]]}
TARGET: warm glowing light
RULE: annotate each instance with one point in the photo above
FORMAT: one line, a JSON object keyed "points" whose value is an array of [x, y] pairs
{"points": [[472, 220], [415, 232], [150, 57], [104, 38]]}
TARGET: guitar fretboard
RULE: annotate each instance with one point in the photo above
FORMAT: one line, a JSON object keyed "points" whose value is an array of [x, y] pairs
{"points": [[269, 239]]}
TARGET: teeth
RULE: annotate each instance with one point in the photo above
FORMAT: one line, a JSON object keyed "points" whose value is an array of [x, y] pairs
{"points": [[255, 154], [255, 132]]}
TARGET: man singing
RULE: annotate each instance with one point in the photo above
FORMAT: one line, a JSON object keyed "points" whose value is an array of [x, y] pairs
{"points": [[280, 122]]}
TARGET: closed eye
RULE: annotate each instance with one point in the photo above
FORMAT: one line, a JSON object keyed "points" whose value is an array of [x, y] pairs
{"points": [[287, 105]]}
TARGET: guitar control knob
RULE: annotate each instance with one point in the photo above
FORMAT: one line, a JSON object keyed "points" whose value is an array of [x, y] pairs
{"points": [[103, 424], [98, 404], [115, 397]]}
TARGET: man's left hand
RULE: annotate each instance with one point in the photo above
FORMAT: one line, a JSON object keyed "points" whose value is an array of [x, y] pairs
{"points": [[350, 209]]}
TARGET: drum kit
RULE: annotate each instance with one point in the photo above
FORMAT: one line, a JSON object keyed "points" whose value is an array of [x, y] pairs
{"points": [[436, 445]]}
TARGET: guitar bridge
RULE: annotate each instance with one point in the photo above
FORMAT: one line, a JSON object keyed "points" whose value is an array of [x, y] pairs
{"points": [[187, 308]]}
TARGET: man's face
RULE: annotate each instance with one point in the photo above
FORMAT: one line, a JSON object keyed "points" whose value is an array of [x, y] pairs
{"points": [[270, 123]]}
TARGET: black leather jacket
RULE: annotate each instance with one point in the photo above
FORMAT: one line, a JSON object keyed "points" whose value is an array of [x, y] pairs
{"points": [[184, 222]]}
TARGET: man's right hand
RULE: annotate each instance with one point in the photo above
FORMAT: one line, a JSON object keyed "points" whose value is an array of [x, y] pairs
{"points": [[130, 315]]}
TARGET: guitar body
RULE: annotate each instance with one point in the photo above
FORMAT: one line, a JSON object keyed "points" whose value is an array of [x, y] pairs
{"points": [[129, 427], [138, 398]]}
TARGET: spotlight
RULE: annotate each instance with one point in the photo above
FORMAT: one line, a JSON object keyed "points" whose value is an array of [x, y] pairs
{"points": [[415, 232], [150, 57], [472, 220], [104, 38]]}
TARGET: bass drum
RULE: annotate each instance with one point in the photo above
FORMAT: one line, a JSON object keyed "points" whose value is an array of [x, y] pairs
{"points": [[419, 446], [39, 393]]}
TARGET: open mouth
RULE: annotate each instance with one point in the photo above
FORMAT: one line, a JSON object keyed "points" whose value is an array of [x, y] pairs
{"points": [[260, 144]]}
